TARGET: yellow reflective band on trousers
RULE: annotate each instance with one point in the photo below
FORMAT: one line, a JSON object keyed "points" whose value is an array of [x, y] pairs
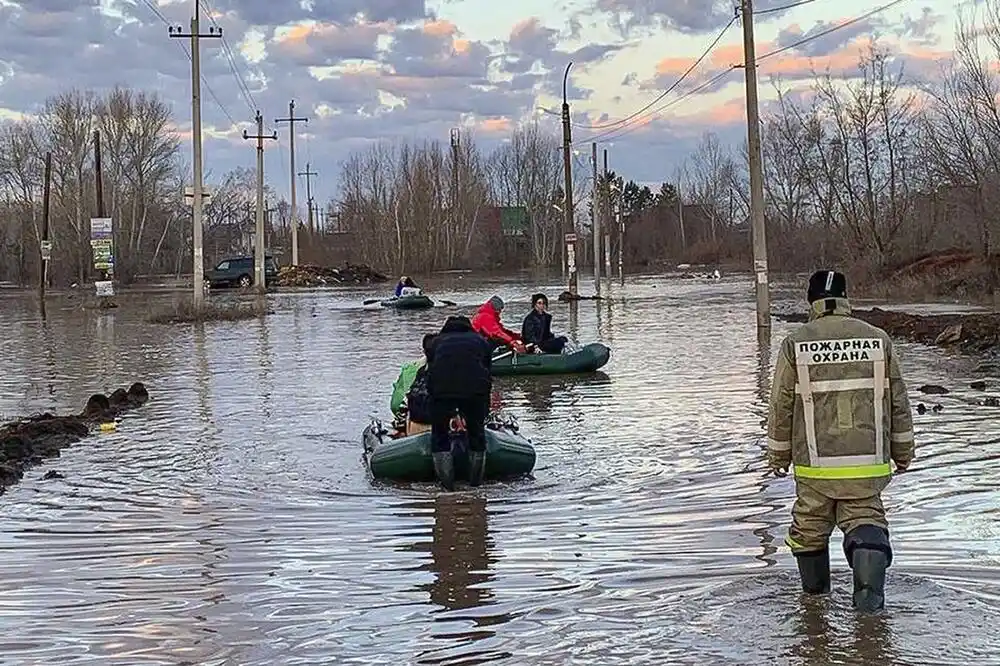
{"points": [[853, 472]]}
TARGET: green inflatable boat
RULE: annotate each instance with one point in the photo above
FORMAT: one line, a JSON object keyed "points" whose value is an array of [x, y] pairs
{"points": [[508, 455], [586, 359], [411, 302]]}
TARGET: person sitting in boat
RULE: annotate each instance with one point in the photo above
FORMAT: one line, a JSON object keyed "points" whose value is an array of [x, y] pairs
{"points": [[406, 287], [536, 330], [487, 324], [410, 394]]}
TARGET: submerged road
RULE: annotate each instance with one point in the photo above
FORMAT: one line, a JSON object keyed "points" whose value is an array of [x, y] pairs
{"points": [[230, 521]]}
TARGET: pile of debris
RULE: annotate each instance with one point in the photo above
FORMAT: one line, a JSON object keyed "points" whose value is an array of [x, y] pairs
{"points": [[309, 275], [27, 442], [970, 333]]}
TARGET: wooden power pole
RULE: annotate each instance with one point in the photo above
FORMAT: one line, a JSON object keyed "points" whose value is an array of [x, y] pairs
{"points": [[198, 202], [597, 209], [456, 143], [757, 228], [45, 249], [309, 197], [291, 120], [258, 259], [569, 227]]}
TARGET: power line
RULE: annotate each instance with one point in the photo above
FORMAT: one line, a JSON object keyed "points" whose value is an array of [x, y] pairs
{"points": [[835, 28], [629, 127], [625, 130], [227, 50], [183, 48], [783, 8], [666, 92], [153, 8]]}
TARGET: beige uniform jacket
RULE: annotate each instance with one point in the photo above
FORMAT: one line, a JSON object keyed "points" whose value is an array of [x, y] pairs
{"points": [[839, 410]]}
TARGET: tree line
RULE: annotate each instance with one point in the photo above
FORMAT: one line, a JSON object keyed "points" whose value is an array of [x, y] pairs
{"points": [[865, 174]]}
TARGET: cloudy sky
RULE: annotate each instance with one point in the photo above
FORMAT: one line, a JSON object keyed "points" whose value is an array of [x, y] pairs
{"points": [[369, 70]]}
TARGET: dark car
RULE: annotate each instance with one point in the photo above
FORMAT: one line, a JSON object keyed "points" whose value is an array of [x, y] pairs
{"points": [[239, 272]]}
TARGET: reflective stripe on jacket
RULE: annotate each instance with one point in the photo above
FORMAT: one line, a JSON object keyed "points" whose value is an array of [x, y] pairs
{"points": [[839, 410]]}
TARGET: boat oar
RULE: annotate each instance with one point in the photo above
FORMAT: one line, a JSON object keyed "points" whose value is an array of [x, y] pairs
{"points": [[443, 301], [372, 301]]}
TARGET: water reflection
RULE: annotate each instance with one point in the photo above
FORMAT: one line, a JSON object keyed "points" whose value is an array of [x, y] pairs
{"points": [[265, 363], [540, 393], [462, 563], [763, 375], [203, 374], [573, 325], [107, 351], [812, 632], [460, 553], [827, 631]]}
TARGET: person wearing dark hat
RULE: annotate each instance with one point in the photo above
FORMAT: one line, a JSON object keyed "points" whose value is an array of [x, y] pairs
{"points": [[839, 413], [536, 329], [487, 323], [459, 379]]}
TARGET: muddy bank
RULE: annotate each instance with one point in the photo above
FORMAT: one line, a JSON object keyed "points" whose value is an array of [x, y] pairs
{"points": [[958, 274], [307, 275], [967, 333], [27, 442]]}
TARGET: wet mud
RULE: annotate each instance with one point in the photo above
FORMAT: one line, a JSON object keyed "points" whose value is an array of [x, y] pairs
{"points": [[28, 441]]}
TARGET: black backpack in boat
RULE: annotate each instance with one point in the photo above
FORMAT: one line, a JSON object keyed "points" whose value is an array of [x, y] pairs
{"points": [[418, 398]]}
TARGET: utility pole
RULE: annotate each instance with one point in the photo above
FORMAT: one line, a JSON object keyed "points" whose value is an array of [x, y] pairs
{"points": [[99, 185], [291, 120], [680, 219], [99, 192], [757, 228], [597, 206], [569, 231], [456, 142], [269, 223], [258, 252], [606, 200], [198, 264], [45, 249], [309, 197]]}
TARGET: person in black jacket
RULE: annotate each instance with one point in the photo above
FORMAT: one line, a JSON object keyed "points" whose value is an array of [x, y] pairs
{"points": [[459, 378], [537, 328]]}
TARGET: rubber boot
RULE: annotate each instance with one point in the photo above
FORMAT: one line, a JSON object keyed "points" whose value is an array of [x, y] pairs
{"points": [[477, 467], [444, 469], [869, 579], [814, 570]]}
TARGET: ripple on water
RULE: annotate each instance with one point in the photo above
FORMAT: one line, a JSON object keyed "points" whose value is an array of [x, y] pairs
{"points": [[230, 521]]}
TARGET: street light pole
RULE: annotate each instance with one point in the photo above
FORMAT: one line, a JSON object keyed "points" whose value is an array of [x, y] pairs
{"points": [[569, 236]]}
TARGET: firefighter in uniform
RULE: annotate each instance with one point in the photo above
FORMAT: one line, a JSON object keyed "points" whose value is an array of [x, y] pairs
{"points": [[838, 414]]}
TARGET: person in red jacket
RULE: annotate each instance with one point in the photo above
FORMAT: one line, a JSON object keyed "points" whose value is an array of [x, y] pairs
{"points": [[487, 323]]}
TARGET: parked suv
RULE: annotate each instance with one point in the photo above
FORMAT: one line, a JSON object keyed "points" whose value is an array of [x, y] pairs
{"points": [[239, 272]]}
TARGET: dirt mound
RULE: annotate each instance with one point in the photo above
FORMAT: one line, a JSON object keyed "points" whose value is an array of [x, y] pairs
{"points": [[30, 440], [934, 264], [953, 273], [308, 275], [972, 333]]}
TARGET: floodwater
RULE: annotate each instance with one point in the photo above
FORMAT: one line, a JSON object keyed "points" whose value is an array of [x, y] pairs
{"points": [[230, 520]]}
